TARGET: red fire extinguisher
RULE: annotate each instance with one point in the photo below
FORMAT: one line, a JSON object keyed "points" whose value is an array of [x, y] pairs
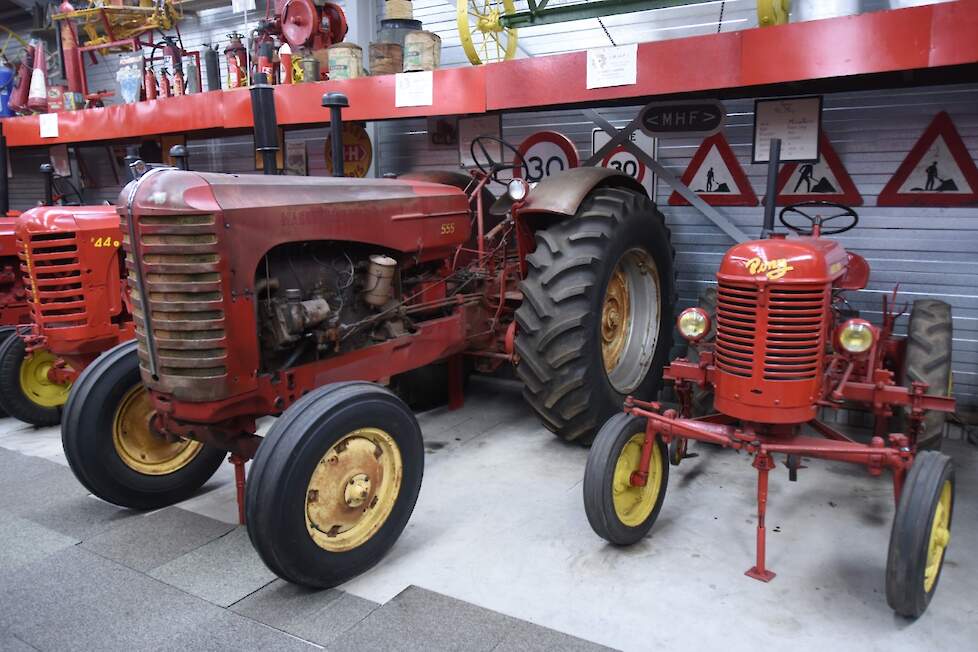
{"points": [[37, 97], [164, 79], [265, 64], [285, 55], [149, 82], [72, 56], [18, 98], [172, 61], [237, 62]]}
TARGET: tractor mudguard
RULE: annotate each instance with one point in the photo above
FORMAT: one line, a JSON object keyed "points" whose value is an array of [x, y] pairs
{"points": [[563, 194]]}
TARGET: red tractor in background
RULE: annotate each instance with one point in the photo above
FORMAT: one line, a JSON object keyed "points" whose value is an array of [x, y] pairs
{"points": [[786, 346], [301, 297]]}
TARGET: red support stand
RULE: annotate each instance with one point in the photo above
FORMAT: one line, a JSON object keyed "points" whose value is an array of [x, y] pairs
{"points": [[456, 380], [239, 481], [763, 463]]}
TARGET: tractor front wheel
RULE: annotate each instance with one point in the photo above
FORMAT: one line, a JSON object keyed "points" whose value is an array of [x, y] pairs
{"points": [[334, 483], [928, 360], [26, 391], [596, 320], [620, 510], [920, 535], [5, 333], [112, 448]]}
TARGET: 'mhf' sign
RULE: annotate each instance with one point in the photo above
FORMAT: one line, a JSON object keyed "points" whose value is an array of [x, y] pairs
{"points": [[699, 118]]}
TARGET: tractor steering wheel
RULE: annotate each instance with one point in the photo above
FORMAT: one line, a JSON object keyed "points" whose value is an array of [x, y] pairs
{"points": [[818, 220], [492, 167]]}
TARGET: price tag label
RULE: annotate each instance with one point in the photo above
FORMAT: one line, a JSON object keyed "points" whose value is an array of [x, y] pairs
{"points": [[48, 123], [612, 66], [414, 89], [545, 153]]}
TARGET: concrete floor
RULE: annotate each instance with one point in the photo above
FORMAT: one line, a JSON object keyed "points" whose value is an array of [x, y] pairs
{"points": [[500, 531]]}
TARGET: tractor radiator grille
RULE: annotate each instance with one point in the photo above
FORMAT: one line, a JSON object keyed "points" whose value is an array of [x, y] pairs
{"points": [[781, 326], [180, 266], [736, 328], [53, 279]]}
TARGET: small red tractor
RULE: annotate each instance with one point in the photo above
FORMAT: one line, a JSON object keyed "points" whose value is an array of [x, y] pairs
{"points": [[786, 346], [301, 297]]}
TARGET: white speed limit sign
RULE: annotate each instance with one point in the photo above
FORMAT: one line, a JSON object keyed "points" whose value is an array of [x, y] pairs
{"points": [[544, 154], [622, 160]]}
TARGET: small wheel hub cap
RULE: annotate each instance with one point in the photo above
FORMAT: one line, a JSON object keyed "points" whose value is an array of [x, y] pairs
{"points": [[140, 446], [940, 536], [36, 383], [634, 503], [357, 490]]}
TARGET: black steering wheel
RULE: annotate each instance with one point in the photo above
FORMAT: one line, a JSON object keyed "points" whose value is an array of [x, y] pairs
{"points": [[817, 219], [492, 167]]}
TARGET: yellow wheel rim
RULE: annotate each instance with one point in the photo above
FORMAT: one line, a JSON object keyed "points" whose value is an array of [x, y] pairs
{"points": [[940, 535], [615, 320], [483, 36], [353, 489], [34, 381], [633, 505], [141, 449]]}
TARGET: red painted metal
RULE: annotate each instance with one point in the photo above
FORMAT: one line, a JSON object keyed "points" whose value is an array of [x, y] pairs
{"points": [[239, 483], [14, 308], [763, 463]]}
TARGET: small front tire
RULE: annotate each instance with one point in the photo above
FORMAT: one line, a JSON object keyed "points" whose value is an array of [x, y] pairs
{"points": [[617, 510], [26, 392], [334, 483]]}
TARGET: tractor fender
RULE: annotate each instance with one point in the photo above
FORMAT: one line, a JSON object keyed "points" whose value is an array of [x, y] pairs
{"points": [[562, 194]]}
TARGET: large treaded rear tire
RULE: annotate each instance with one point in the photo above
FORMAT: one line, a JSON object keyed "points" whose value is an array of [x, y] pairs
{"points": [[559, 336], [928, 360]]}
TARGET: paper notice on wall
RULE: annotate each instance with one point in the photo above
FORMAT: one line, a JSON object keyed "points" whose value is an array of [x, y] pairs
{"points": [[612, 66], [49, 125], [414, 89], [237, 6]]}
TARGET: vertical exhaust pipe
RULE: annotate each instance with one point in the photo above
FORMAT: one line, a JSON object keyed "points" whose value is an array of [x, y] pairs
{"points": [[771, 200], [180, 156], [4, 184], [48, 171], [336, 102], [266, 123]]}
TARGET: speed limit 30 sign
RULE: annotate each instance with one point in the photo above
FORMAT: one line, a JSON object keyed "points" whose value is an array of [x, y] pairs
{"points": [[545, 153], [622, 160]]}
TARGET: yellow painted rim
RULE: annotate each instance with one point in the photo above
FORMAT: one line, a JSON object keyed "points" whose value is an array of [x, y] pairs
{"points": [[940, 536], [615, 319], [141, 449], [34, 381], [483, 37], [353, 489], [633, 505]]}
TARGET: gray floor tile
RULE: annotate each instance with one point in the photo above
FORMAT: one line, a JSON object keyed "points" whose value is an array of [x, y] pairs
{"points": [[422, 620], [76, 600], [222, 571], [10, 643], [524, 636], [317, 616], [23, 542], [148, 541], [40, 486], [234, 633], [81, 516]]}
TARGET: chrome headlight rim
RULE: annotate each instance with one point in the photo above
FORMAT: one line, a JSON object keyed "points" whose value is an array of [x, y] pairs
{"points": [[517, 189], [856, 336], [693, 324]]}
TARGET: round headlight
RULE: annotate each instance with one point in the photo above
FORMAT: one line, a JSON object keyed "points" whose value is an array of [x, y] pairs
{"points": [[693, 324], [517, 189], [856, 336]]}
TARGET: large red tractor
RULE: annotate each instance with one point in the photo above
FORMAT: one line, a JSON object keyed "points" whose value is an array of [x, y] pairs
{"points": [[270, 295], [786, 346]]}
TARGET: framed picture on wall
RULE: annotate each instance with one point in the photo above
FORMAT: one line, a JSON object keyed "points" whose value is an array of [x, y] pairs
{"points": [[797, 121]]}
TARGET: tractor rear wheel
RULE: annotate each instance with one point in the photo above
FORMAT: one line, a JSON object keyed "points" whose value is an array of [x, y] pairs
{"points": [[5, 333], [618, 511], [928, 360], [26, 392], [111, 447], [596, 320], [921, 532], [334, 483]]}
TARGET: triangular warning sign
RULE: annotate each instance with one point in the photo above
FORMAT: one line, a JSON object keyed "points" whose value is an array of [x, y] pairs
{"points": [[938, 171], [715, 175], [826, 180]]}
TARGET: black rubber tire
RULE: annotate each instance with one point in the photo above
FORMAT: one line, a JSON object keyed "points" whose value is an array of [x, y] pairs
{"points": [[703, 396], [599, 472], [86, 435], [285, 461], [559, 339], [910, 537], [928, 359], [13, 400], [5, 333]]}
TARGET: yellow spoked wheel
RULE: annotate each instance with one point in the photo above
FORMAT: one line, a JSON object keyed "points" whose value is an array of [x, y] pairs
{"points": [[921, 534], [36, 384], [353, 489], [619, 508], [141, 449], [484, 38]]}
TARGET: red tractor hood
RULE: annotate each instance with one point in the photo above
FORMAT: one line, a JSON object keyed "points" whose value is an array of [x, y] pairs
{"points": [[62, 219], [8, 242], [780, 260]]}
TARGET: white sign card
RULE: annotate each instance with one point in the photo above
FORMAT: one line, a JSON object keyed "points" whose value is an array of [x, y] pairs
{"points": [[237, 6], [612, 66], [627, 162], [414, 88], [48, 123], [471, 128], [797, 121]]}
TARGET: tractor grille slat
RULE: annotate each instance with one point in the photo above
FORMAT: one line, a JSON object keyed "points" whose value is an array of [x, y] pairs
{"points": [[792, 317], [180, 263], [53, 279]]}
